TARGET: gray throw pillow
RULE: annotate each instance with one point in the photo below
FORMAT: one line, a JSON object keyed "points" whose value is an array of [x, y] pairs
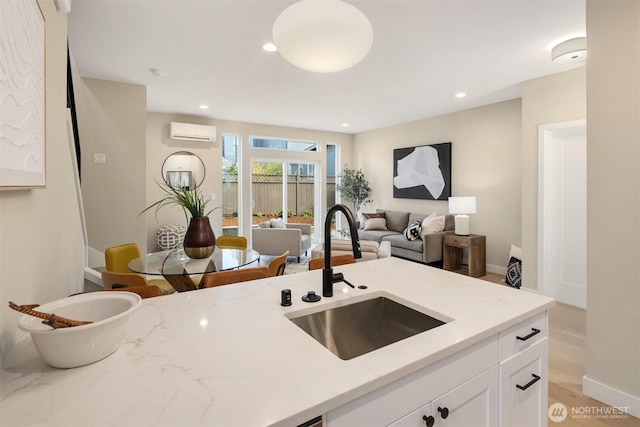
{"points": [[277, 223], [397, 221]]}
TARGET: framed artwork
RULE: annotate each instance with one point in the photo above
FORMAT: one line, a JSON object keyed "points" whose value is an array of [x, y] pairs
{"points": [[22, 95], [422, 172]]}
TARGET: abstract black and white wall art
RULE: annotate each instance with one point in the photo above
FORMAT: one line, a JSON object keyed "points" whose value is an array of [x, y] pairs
{"points": [[422, 172], [22, 95]]}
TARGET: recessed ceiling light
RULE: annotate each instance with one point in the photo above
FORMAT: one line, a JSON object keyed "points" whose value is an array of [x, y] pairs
{"points": [[460, 95], [269, 47], [204, 107], [345, 125]]}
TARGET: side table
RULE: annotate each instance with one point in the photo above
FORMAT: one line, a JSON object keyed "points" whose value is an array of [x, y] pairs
{"points": [[452, 246]]}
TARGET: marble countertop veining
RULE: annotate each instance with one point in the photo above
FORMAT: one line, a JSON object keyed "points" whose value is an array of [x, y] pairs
{"points": [[229, 356]]}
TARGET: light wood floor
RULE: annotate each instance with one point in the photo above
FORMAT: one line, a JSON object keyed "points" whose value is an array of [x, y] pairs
{"points": [[567, 349]]}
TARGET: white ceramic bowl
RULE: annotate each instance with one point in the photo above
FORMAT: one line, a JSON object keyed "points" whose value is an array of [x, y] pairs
{"points": [[75, 346]]}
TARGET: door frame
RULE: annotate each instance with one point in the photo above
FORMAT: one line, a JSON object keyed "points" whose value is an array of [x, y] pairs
{"points": [[552, 134]]}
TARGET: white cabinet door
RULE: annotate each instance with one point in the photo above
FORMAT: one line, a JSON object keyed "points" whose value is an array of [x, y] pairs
{"points": [[421, 417], [524, 387], [472, 404]]}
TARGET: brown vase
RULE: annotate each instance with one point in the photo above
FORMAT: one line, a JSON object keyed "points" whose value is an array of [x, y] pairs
{"points": [[199, 241]]}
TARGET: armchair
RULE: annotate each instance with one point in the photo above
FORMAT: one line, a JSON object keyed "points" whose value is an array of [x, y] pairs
{"points": [[295, 238]]}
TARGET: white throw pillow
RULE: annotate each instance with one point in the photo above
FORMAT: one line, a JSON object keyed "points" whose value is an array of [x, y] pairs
{"points": [[515, 252], [277, 223], [375, 224], [432, 224]]}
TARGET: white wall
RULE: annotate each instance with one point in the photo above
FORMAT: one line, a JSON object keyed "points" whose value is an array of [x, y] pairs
{"points": [[41, 238], [613, 203], [486, 163]]}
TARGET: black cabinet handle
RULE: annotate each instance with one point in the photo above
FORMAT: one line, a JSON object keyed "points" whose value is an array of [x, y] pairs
{"points": [[444, 412], [429, 420], [532, 334], [535, 379]]}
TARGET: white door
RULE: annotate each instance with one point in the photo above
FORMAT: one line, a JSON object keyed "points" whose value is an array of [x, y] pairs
{"points": [[562, 215]]}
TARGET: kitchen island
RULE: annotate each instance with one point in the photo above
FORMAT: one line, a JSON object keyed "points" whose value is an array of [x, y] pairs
{"points": [[230, 356]]}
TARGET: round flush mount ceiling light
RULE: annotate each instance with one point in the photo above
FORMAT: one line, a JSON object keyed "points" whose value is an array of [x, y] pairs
{"points": [[570, 51], [322, 36]]}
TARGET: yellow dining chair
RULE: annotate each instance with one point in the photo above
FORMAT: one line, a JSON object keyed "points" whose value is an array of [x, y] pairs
{"points": [[317, 263], [278, 264], [117, 260], [114, 280], [239, 242], [228, 277]]}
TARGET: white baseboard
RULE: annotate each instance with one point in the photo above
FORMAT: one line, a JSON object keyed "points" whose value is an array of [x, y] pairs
{"points": [[611, 396], [491, 268], [95, 258], [93, 276]]}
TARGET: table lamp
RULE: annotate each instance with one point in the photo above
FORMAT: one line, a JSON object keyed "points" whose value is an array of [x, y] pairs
{"points": [[460, 207]]}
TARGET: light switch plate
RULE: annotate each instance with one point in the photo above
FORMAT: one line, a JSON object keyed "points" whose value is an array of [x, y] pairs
{"points": [[99, 158]]}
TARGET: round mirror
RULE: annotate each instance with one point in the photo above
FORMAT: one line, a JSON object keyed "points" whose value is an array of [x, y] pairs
{"points": [[183, 169]]}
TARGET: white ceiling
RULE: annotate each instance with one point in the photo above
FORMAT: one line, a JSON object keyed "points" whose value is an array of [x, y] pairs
{"points": [[424, 51]]}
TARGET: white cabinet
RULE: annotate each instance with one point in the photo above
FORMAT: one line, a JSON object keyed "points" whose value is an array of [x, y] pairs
{"points": [[391, 403], [474, 403], [501, 381], [524, 370]]}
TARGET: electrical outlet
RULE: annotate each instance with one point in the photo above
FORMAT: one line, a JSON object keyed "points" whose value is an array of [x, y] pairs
{"points": [[99, 158]]}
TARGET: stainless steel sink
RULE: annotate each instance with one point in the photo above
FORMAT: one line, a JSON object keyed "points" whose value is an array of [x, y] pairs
{"points": [[352, 330]]}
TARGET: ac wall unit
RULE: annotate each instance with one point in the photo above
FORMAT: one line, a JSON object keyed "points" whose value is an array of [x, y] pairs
{"points": [[192, 132]]}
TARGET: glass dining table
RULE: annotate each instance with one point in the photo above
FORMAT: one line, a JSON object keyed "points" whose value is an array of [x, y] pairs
{"points": [[177, 268]]}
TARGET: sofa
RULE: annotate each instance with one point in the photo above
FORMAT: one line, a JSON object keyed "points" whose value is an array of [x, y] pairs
{"points": [[427, 248], [274, 237], [369, 249]]}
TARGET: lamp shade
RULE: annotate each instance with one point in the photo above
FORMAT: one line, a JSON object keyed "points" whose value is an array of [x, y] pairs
{"points": [[322, 36], [462, 205]]}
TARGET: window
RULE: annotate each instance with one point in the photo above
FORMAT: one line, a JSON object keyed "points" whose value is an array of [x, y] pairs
{"points": [[282, 144], [230, 184]]}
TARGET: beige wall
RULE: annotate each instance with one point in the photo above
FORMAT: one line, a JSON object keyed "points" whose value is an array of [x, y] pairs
{"points": [[486, 163], [613, 201], [41, 238], [159, 146], [557, 98], [112, 121]]}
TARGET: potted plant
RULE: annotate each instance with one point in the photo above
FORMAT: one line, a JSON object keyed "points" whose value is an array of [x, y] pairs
{"points": [[354, 188], [199, 240]]}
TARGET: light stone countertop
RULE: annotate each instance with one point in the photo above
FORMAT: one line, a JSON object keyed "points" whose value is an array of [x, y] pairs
{"points": [[228, 356]]}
